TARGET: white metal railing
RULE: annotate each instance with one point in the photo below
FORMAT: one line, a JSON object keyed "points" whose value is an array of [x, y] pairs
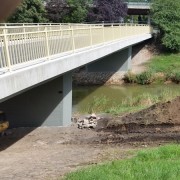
{"points": [[26, 44]]}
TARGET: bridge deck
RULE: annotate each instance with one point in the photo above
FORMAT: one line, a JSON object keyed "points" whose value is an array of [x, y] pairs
{"points": [[25, 45]]}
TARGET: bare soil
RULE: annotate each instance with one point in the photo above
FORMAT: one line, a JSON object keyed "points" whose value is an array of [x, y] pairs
{"points": [[50, 152]]}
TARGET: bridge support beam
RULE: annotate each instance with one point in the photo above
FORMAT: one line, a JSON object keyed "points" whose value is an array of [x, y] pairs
{"points": [[49, 104], [116, 62]]}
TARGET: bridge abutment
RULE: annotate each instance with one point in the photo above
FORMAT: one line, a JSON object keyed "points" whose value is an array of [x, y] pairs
{"points": [[49, 104]]}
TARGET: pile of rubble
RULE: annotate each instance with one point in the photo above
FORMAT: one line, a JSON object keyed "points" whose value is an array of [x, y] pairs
{"points": [[88, 122]]}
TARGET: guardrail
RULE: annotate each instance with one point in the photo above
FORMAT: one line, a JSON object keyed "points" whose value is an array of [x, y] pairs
{"points": [[23, 45]]}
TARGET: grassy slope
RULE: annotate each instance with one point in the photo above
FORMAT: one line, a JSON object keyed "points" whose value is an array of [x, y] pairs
{"points": [[160, 163], [165, 63]]}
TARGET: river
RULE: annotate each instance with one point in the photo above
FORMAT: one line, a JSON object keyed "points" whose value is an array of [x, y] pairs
{"points": [[83, 96]]}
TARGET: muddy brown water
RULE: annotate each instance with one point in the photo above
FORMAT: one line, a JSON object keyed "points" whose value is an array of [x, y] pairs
{"points": [[83, 95]]}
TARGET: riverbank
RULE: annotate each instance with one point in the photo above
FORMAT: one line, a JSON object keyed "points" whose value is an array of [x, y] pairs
{"points": [[164, 68]]}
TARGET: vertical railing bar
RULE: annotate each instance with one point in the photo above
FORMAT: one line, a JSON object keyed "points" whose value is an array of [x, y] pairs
{"points": [[103, 33], [47, 43], [91, 36], [8, 62], [73, 42], [112, 30]]}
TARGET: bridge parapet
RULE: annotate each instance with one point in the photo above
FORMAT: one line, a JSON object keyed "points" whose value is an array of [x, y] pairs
{"points": [[21, 46], [139, 5]]}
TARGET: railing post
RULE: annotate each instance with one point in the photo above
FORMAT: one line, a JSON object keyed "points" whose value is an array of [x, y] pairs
{"points": [[47, 43], [73, 42], [103, 33], [113, 31], [6, 49], [120, 29], [91, 38], [24, 28]]}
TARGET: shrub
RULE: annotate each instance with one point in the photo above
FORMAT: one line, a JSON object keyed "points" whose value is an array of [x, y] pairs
{"points": [[166, 15], [173, 76], [130, 77], [145, 78]]}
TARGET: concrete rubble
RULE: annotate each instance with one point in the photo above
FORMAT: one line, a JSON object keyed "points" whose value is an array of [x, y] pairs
{"points": [[88, 122]]}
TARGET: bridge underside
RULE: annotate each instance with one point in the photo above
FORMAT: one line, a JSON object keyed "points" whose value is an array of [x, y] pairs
{"points": [[116, 62], [48, 104], [138, 11]]}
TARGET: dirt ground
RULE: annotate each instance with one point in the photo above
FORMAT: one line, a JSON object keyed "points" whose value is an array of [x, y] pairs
{"points": [[50, 152]]}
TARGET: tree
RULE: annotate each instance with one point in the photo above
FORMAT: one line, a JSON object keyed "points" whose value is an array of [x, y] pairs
{"points": [[166, 15], [105, 10], [67, 11], [30, 11]]}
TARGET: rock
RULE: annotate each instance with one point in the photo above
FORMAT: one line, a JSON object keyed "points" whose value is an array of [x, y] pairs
{"points": [[86, 126], [92, 125], [80, 125], [93, 115], [86, 122]]}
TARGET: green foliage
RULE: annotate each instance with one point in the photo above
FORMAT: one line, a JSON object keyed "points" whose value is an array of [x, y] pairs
{"points": [[165, 63], [158, 163], [77, 12], [145, 78], [173, 76], [98, 104], [130, 77], [166, 15], [30, 11], [168, 64], [67, 11]]}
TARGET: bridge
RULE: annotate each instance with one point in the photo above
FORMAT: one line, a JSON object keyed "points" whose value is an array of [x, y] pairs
{"points": [[36, 64], [139, 7]]}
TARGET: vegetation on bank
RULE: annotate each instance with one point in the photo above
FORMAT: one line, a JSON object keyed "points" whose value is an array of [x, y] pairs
{"points": [[157, 163], [130, 104], [166, 16], [165, 67]]}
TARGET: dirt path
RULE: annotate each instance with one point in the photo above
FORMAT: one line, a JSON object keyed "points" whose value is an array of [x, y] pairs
{"points": [[49, 153]]}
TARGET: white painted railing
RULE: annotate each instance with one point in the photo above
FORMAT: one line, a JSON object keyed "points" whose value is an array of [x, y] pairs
{"points": [[24, 44]]}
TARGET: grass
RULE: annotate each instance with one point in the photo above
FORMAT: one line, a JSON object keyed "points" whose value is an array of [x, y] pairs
{"points": [[161, 163], [166, 64], [103, 104]]}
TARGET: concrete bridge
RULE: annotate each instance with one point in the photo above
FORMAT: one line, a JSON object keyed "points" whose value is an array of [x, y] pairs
{"points": [[36, 64], [141, 7], [136, 8]]}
